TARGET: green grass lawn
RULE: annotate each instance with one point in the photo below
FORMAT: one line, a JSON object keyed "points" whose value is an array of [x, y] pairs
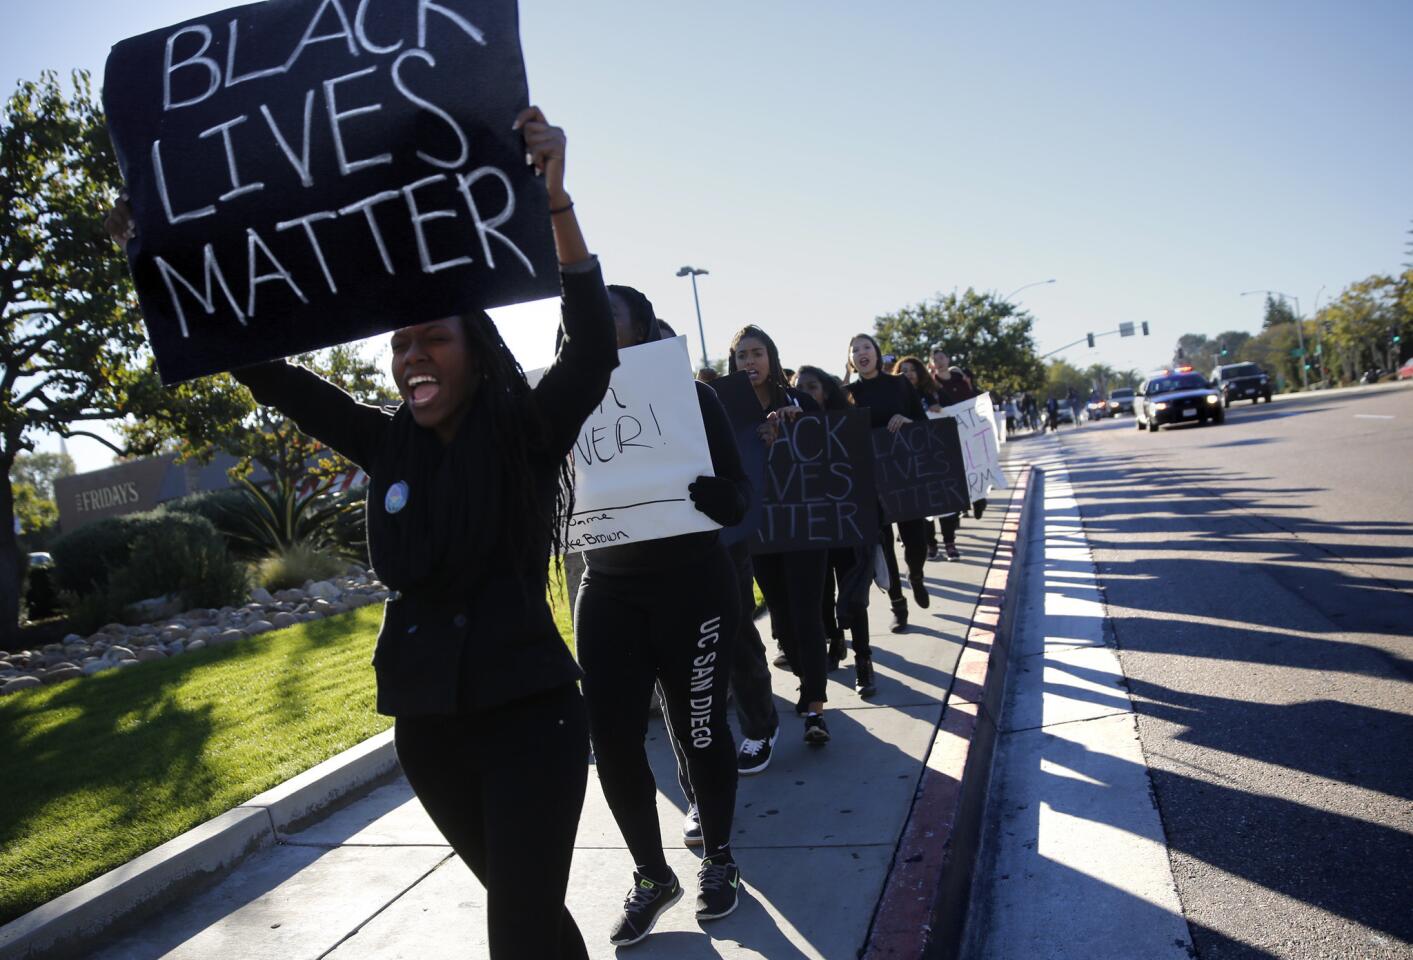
{"points": [[100, 770]]}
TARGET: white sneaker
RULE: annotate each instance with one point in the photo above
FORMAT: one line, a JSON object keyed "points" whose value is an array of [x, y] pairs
{"points": [[692, 827]]}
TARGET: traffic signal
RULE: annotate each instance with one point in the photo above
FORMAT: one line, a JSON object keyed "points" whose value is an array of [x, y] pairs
{"points": [[1222, 345], [1145, 328], [1090, 338], [1394, 336]]}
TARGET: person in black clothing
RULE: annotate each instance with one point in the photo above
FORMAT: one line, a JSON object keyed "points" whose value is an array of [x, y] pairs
{"points": [[793, 581], [664, 612], [952, 387], [916, 372], [469, 491], [891, 402], [850, 570]]}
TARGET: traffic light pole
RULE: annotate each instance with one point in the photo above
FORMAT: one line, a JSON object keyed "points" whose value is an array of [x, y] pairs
{"points": [[1089, 339]]}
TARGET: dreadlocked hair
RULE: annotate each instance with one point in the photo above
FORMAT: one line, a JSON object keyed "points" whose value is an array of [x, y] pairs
{"points": [[775, 378], [504, 390]]}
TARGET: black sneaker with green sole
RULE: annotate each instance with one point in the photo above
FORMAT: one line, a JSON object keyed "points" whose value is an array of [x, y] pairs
{"points": [[644, 904]]}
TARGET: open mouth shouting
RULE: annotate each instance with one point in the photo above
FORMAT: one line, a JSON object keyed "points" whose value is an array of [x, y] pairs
{"points": [[422, 389]]}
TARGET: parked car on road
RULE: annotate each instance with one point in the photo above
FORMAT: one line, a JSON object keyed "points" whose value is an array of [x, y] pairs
{"points": [[1405, 372], [1097, 409], [1176, 396], [1121, 401], [1241, 381]]}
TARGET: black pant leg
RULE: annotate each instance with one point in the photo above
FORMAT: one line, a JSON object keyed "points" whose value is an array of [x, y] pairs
{"points": [[770, 574], [612, 637], [514, 776], [750, 672], [694, 625], [914, 536], [895, 582], [804, 571], [950, 523]]}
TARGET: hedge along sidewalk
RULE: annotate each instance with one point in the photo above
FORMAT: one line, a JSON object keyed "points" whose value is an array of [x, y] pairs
{"points": [[99, 771]]}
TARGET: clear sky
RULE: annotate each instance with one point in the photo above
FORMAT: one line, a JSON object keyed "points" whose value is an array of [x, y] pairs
{"points": [[828, 162]]}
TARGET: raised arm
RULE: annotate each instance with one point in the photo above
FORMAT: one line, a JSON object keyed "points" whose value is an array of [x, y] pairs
{"points": [[577, 380], [318, 408]]}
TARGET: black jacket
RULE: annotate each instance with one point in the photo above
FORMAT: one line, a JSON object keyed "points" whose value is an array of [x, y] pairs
{"points": [[886, 396], [491, 640]]}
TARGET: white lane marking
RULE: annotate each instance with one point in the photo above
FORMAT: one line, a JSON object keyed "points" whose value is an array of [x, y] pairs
{"points": [[1373, 416]]}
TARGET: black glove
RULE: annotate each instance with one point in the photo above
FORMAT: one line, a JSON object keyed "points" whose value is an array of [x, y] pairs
{"points": [[979, 507], [719, 499]]}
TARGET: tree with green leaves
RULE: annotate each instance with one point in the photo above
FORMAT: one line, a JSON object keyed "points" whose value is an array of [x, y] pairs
{"points": [[70, 341], [1277, 312], [40, 470], [978, 330]]}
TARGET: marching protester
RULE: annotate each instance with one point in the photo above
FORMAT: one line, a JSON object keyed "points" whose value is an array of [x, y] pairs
{"points": [[792, 581], [953, 386], [916, 373], [850, 570], [664, 613], [892, 403], [470, 491]]}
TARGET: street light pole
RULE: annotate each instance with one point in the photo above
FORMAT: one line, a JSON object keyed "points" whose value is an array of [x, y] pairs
{"points": [[693, 272], [1025, 286], [1299, 332]]}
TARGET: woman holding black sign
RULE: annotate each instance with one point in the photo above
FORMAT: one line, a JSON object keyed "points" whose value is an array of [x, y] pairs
{"points": [[665, 612], [793, 581], [469, 492], [850, 570], [892, 403]]}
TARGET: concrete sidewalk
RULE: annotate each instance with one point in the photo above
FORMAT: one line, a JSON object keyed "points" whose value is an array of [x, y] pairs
{"points": [[815, 834], [1074, 862]]}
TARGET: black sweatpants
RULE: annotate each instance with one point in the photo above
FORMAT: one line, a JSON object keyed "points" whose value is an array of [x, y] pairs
{"points": [[505, 787], [914, 537], [793, 585], [950, 523], [850, 610], [750, 672], [675, 628]]}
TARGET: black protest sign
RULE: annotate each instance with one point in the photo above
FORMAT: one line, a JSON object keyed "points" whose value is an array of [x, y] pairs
{"points": [[920, 471], [745, 415], [819, 486], [310, 172]]}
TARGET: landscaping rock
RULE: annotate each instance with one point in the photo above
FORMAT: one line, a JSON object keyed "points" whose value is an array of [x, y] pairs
{"points": [[124, 663], [258, 627], [176, 648], [62, 673], [116, 629], [97, 666], [120, 653], [322, 607], [173, 633], [280, 620], [222, 638], [155, 608], [19, 683], [147, 654], [324, 590], [197, 645], [291, 595], [201, 633], [261, 595]]}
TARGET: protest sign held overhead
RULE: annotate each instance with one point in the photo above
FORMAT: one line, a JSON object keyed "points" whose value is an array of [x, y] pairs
{"points": [[310, 172], [976, 426], [639, 451], [819, 485], [745, 415], [920, 470]]}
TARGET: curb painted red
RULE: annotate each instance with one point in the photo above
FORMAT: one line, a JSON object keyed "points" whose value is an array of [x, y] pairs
{"points": [[923, 907]]}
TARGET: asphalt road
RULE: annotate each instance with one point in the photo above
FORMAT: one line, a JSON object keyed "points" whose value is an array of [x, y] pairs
{"points": [[1259, 579]]}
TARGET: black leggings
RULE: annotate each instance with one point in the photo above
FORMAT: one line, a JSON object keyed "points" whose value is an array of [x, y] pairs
{"points": [[850, 613], [793, 585], [505, 787], [675, 628], [950, 523], [914, 536]]}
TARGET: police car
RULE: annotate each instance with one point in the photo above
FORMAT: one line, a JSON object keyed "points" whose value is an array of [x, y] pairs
{"points": [[1176, 396]]}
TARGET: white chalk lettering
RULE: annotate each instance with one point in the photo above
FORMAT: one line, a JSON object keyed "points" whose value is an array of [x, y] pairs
{"points": [[419, 218], [488, 228], [361, 32], [433, 109], [425, 7], [231, 78], [336, 119], [237, 188], [161, 175], [366, 206], [307, 222], [301, 162], [208, 301], [254, 241], [345, 32], [198, 58]]}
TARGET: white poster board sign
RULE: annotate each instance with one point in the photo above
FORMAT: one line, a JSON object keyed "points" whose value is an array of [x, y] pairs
{"points": [[981, 449], [639, 450]]}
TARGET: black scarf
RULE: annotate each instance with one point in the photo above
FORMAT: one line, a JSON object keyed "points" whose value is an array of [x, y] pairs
{"points": [[432, 508]]}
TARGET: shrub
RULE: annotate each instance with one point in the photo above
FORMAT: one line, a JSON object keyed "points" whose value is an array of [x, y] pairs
{"points": [[214, 505], [88, 611], [188, 559], [294, 565], [270, 520], [85, 559]]}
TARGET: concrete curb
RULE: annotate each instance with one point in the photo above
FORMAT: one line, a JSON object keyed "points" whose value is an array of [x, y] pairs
{"points": [[67, 925], [923, 908]]}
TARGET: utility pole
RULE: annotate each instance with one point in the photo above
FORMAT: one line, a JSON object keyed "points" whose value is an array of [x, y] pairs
{"points": [[693, 272]]}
